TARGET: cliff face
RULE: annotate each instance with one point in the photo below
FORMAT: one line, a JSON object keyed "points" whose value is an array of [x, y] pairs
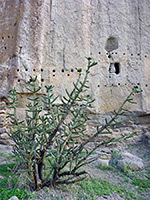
{"points": [[49, 38]]}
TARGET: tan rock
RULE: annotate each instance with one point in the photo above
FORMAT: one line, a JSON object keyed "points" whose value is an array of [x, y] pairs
{"points": [[2, 125], [126, 161], [3, 130], [6, 140], [2, 118], [50, 39]]}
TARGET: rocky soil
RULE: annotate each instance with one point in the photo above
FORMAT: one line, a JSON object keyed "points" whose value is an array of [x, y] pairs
{"points": [[100, 170]]}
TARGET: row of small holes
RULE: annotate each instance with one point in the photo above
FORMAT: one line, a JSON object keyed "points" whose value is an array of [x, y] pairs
{"points": [[42, 80], [67, 75], [43, 70], [72, 70], [125, 84], [3, 38], [123, 54]]}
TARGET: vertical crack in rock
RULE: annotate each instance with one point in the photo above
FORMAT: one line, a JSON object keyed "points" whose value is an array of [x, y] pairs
{"points": [[91, 22], [109, 17], [139, 20], [143, 103], [64, 61], [51, 10]]}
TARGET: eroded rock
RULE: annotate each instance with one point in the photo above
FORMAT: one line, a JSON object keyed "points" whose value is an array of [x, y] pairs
{"points": [[6, 140], [126, 161]]}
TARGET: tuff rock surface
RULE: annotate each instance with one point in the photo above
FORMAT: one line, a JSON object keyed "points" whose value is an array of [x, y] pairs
{"points": [[49, 38]]}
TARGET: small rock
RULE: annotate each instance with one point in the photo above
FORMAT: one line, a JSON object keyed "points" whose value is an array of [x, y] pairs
{"points": [[5, 149], [100, 159], [126, 161], [2, 125], [13, 198], [103, 161], [2, 118], [5, 139], [3, 130], [147, 137]]}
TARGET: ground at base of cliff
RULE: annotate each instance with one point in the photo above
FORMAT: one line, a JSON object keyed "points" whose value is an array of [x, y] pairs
{"points": [[103, 181]]}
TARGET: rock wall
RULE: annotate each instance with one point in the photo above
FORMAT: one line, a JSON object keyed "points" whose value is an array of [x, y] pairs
{"points": [[49, 38]]}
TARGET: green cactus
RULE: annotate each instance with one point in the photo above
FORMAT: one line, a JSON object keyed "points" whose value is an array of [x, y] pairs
{"points": [[51, 146]]}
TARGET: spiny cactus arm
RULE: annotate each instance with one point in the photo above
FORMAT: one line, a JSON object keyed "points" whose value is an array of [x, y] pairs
{"points": [[113, 140], [13, 104], [72, 101], [120, 111]]}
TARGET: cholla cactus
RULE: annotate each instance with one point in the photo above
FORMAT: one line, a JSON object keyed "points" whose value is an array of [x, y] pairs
{"points": [[46, 124]]}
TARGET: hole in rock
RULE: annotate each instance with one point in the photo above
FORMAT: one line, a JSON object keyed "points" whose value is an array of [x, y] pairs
{"points": [[62, 70], [117, 67], [114, 68]]}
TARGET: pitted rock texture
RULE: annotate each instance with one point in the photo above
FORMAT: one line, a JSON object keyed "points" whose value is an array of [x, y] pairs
{"points": [[49, 38]]}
